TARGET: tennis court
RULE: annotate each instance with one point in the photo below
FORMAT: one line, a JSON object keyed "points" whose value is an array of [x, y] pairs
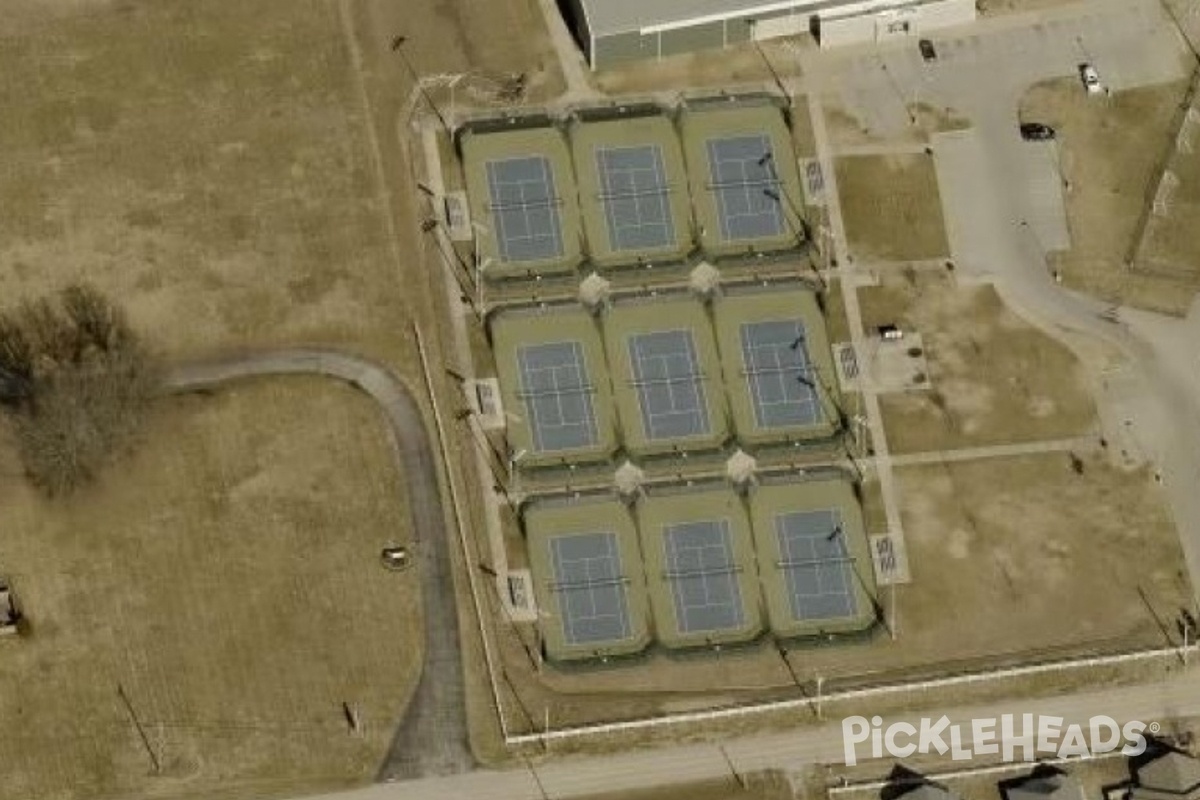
{"points": [[555, 409], [525, 208], [814, 559], [783, 386], [634, 194], [742, 171], [590, 587], [588, 578], [745, 182], [816, 564], [703, 576], [669, 384], [557, 395], [523, 200], [632, 189], [775, 342]]}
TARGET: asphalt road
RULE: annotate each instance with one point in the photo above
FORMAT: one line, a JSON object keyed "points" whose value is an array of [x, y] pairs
{"points": [[792, 750], [432, 737]]}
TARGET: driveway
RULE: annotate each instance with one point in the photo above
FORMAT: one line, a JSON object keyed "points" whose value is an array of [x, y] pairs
{"points": [[1002, 199]]}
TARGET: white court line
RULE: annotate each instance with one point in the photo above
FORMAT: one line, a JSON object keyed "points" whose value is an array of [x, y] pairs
{"points": [[640, 194], [732, 599], [543, 181], [542, 426], [573, 596], [789, 539], [804, 395], [698, 410], [743, 167]]}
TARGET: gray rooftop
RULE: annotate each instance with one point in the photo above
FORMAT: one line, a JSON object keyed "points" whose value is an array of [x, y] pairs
{"points": [[620, 16], [1057, 786], [930, 791], [1171, 773]]}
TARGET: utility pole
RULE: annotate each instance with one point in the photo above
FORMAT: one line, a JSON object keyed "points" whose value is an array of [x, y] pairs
{"points": [[398, 48], [778, 193], [741, 782], [820, 684], [753, 23], [481, 266], [137, 723]]}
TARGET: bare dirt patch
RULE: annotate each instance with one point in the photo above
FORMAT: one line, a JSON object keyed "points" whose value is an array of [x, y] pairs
{"points": [[227, 575], [1112, 149], [891, 207], [993, 378], [1043, 554]]}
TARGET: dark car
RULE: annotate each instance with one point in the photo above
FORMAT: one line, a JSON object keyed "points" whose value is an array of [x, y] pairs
{"points": [[1036, 132], [927, 50]]}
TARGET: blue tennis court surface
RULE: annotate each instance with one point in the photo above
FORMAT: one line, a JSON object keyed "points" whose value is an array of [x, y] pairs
{"points": [[557, 394], [590, 587], [525, 208], [635, 197], [743, 178], [782, 381], [703, 576], [816, 564], [668, 380]]}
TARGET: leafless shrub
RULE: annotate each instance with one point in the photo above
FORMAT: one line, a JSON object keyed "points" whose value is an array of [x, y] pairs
{"points": [[76, 379]]}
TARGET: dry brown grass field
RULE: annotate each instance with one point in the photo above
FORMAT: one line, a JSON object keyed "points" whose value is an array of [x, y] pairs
{"points": [[891, 207], [993, 378], [1026, 549], [226, 575], [1122, 140], [206, 163], [220, 169]]}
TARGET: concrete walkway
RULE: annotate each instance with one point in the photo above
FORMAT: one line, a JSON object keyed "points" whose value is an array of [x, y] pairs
{"points": [[432, 737], [575, 776], [1077, 445], [835, 233]]}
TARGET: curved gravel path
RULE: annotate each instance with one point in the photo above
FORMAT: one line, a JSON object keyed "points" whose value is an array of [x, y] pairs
{"points": [[432, 737]]}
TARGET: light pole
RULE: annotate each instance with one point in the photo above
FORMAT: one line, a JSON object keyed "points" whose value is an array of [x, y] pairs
{"points": [[480, 267], [448, 260], [398, 48], [782, 198], [514, 475], [753, 24], [912, 118]]}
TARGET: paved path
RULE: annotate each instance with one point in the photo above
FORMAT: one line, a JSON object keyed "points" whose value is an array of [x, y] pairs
{"points": [[573, 776], [835, 232], [575, 70], [432, 737], [1078, 445]]}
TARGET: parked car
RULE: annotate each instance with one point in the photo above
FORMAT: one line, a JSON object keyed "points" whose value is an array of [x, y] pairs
{"points": [[927, 50], [1090, 78], [1036, 132]]}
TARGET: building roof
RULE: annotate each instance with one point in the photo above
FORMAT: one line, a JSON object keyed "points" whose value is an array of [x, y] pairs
{"points": [[930, 791], [1048, 787], [606, 17], [1175, 773]]}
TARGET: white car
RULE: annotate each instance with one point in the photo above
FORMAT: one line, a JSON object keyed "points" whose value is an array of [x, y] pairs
{"points": [[1090, 78]]}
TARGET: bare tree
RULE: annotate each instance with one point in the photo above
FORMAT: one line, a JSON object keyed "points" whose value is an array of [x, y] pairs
{"points": [[76, 379]]}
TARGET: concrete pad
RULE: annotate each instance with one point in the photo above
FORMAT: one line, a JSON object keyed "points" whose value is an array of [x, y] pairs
{"points": [[1038, 181], [971, 210]]}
